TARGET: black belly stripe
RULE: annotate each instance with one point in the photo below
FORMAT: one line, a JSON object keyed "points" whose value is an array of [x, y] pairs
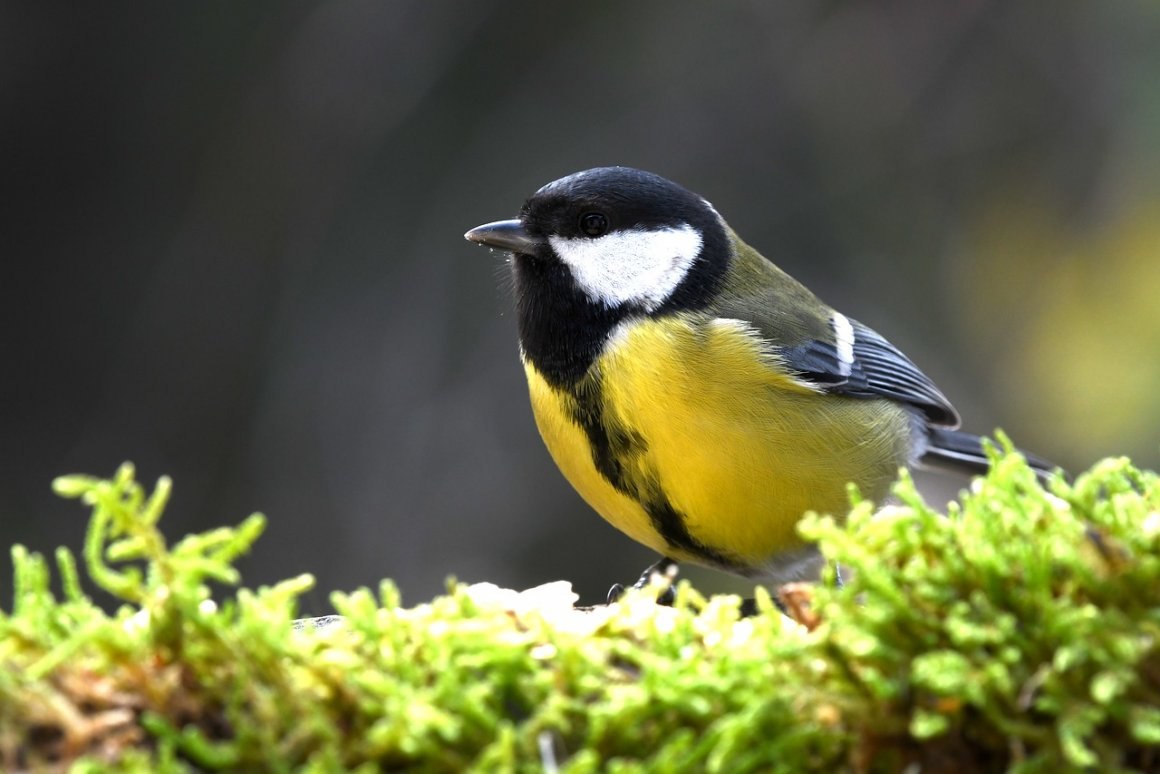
{"points": [[670, 523], [616, 452]]}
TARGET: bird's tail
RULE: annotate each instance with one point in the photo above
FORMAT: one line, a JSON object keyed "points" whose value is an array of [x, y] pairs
{"points": [[962, 452]]}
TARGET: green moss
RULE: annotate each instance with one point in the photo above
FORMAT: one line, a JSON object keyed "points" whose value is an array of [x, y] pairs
{"points": [[1018, 631]]}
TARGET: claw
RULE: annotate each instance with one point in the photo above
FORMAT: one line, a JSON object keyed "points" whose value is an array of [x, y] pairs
{"points": [[665, 567]]}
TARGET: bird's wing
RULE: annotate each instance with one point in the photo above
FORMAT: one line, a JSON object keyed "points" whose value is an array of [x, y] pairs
{"points": [[835, 354], [860, 363], [826, 349]]}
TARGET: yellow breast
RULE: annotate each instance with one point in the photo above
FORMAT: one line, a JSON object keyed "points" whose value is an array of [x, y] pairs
{"points": [[689, 412]]}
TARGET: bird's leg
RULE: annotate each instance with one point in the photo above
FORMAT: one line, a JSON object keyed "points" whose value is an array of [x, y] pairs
{"points": [[748, 606], [666, 568]]}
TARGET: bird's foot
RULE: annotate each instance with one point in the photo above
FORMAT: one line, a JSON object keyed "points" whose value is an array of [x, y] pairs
{"points": [[666, 568]]}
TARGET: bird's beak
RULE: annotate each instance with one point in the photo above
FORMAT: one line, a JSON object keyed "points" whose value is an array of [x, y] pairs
{"points": [[505, 235]]}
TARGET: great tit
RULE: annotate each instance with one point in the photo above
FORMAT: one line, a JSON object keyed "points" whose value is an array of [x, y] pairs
{"points": [[697, 397]]}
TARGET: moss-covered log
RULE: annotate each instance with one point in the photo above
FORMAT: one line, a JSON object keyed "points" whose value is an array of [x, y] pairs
{"points": [[1017, 631]]}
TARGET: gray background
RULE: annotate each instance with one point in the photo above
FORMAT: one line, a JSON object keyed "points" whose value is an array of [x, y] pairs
{"points": [[231, 243]]}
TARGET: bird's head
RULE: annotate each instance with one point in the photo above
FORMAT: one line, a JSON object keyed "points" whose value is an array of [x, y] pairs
{"points": [[628, 241]]}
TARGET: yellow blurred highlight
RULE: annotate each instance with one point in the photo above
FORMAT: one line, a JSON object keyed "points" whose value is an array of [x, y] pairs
{"points": [[1069, 316]]}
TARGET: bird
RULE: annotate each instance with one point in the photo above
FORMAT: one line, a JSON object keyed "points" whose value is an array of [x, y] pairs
{"points": [[696, 396]]}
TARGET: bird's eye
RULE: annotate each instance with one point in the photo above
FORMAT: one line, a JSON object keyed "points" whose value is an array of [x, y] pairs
{"points": [[593, 224]]}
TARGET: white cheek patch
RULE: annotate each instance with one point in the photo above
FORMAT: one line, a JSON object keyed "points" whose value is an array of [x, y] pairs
{"points": [[637, 266]]}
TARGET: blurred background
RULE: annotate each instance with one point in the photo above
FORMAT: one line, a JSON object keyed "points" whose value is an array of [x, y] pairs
{"points": [[231, 246]]}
